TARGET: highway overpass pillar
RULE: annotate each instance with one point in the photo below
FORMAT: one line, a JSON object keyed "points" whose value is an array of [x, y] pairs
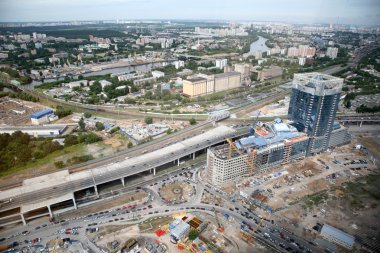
{"points": [[123, 181], [50, 213], [23, 219], [154, 171], [178, 162], [193, 155], [361, 123], [75, 203], [96, 191]]}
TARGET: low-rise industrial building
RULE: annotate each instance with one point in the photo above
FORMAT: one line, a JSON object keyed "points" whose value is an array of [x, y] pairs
{"points": [[268, 72], [158, 74], [180, 229], [42, 117], [337, 236], [36, 131], [144, 80]]}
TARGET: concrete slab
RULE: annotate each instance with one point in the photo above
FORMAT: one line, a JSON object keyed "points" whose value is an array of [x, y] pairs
{"points": [[63, 177], [33, 206]]}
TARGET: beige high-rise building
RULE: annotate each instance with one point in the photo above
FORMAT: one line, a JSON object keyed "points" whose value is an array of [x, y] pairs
{"points": [[243, 69], [194, 87], [225, 81], [206, 84]]}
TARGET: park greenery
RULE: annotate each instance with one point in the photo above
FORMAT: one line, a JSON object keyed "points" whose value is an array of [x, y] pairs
{"points": [[86, 138], [193, 234], [192, 121], [20, 95], [19, 148], [148, 120], [62, 112]]}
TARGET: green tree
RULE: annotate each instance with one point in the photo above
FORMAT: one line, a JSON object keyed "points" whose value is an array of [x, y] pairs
{"points": [[71, 140], [114, 130], [130, 144], [87, 115], [99, 126], [59, 164], [192, 121], [148, 120], [62, 112], [96, 87], [193, 234], [89, 138], [82, 125]]}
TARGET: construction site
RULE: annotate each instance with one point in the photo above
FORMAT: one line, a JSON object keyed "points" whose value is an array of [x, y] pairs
{"points": [[17, 112], [269, 145]]}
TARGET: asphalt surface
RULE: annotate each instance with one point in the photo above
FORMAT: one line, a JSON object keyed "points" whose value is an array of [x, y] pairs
{"points": [[48, 231]]}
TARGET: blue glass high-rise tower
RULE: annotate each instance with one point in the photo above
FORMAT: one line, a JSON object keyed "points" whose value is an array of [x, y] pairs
{"points": [[313, 105]]}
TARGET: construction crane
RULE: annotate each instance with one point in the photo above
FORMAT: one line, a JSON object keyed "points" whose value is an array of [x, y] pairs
{"points": [[255, 121], [56, 246], [220, 227], [248, 161]]}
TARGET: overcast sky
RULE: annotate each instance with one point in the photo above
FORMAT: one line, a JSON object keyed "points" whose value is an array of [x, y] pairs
{"points": [[365, 12]]}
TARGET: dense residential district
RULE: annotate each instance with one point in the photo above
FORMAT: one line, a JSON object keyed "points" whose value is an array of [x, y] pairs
{"points": [[169, 136]]}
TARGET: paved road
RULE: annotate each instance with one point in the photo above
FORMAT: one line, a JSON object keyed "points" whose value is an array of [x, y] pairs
{"points": [[158, 208]]}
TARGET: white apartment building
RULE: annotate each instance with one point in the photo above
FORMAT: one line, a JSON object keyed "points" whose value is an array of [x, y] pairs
{"points": [[332, 52], [157, 74], [220, 63], [179, 64]]}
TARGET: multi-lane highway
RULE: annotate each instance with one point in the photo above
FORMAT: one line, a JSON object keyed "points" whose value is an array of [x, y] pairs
{"points": [[116, 171], [155, 207]]}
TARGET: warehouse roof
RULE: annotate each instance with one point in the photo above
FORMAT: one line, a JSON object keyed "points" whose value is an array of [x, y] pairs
{"points": [[42, 113], [32, 128], [196, 79], [232, 73], [179, 228], [328, 230]]}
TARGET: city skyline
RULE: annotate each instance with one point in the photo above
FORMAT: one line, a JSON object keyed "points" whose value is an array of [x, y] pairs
{"points": [[295, 11]]}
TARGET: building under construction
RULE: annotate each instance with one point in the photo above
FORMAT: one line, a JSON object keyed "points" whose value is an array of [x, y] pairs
{"points": [[311, 129], [271, 144]]}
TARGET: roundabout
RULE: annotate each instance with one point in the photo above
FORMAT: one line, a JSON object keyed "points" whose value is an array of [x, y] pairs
{"points": [[176, 192]]}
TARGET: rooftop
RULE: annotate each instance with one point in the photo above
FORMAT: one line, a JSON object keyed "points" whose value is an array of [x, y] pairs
{"points": [[32, 128], [196, 79], [42, 113], [265, 135], [337, 233], [318, 80], [227, 74], [179, 228]]}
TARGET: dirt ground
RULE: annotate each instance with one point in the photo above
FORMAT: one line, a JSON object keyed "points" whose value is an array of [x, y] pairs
{"points": [[17, 112], [208, 198], [176, 191], [114, 141]]}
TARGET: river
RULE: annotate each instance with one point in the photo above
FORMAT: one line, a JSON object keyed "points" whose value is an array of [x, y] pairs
{"points": [[259, 45], [142, 67]]}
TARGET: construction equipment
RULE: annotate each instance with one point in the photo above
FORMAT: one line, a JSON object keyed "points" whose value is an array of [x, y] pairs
{"points": [[181, 246], [56, 245], [255, 121], [220, 227], [248, 161]]}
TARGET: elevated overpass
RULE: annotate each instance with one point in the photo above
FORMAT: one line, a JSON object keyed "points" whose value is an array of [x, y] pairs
{"points": [[44, 191]]}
